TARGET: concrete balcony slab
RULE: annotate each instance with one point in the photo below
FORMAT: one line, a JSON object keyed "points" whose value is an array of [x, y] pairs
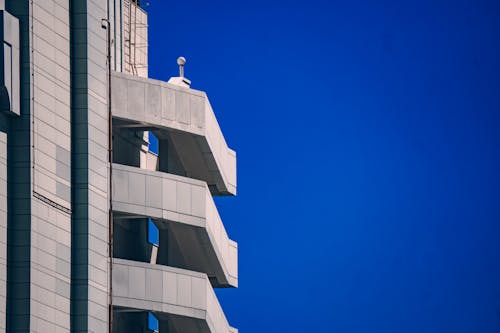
{"points": [[187, 116], [186, 207], [184, 298]]}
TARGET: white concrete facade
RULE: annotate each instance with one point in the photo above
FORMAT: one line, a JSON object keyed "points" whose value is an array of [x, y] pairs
{"points": [[179, 200]]}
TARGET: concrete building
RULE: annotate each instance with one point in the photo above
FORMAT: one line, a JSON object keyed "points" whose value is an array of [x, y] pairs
{"points": [[107, 178]]}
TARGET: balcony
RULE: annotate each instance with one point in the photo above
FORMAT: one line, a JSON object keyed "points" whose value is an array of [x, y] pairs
{"points": [[192, 235], [182, 300], [182, 116]]}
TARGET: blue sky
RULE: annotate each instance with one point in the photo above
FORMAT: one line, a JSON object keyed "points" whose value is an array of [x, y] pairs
{"points": [[368, 157]]}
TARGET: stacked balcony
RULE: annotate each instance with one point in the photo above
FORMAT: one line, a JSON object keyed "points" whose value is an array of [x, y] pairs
{"points": [[170, 247]]}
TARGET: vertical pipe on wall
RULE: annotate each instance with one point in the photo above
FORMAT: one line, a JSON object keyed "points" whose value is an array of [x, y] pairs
{"points": [[106, 23]]}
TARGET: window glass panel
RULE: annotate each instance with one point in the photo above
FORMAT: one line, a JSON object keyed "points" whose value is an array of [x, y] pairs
{"points": [[153, 233], [152, 322]]}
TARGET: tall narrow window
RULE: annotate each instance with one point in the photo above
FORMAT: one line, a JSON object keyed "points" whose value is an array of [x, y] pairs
{"points": [[7, 56], [153, 240], [153, 233], [153, 143], [153, 325]]}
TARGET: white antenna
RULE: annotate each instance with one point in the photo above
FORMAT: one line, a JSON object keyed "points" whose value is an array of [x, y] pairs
{"points": [[180, 80], [181, 61]]}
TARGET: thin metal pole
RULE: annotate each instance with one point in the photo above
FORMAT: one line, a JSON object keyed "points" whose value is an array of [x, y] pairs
{"points": [[130, 36], [135, 38], [110, 158]]}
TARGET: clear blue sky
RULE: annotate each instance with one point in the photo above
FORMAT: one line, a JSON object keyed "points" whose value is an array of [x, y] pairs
{"points": [[368, 140]]}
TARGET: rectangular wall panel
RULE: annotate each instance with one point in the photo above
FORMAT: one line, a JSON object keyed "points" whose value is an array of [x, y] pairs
{"points": [[19, 166], [3, 229], [51, 218], [90, 264], [51, 101]]}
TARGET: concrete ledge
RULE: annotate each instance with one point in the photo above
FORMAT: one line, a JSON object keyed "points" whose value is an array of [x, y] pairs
{"points": [[188, 116], [168, 291], [182, 200]]}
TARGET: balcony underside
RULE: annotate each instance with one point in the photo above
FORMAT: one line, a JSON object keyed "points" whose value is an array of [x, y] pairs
{"points": [[170, 323], [183, 298], [186, 209], [185, 117]]}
